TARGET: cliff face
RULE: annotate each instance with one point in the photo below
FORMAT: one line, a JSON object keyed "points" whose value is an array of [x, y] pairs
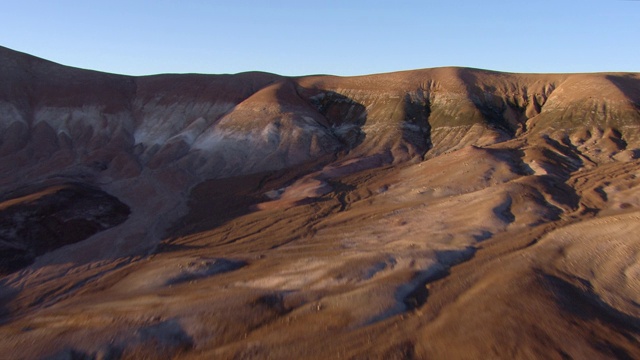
{"points": [[353, 188]]}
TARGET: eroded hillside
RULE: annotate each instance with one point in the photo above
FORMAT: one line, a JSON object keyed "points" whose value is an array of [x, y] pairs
{"points": [[439, 213]]}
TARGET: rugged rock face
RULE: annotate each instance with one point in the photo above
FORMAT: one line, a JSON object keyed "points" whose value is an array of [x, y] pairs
{"points": [[447, 213]]}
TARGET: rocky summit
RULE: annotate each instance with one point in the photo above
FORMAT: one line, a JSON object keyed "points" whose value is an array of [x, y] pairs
{"points": [[446, 213]]}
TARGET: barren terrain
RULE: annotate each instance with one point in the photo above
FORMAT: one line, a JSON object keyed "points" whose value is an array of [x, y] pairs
{"points": [[445, 213]]}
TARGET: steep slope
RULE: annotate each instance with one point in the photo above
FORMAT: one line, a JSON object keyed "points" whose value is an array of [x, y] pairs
{"points": [[437, 213]]}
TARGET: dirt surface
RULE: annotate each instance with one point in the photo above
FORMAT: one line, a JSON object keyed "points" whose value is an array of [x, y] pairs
{"points": [[431, 214]]}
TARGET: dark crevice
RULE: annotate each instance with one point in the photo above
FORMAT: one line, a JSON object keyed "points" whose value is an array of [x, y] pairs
{"points": [[416, 129], [415, 293], [490, 106], [341, 191], [503, 211], [38, 220], [344, 116]]}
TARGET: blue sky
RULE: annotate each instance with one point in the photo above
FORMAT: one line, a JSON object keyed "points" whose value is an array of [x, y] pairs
{"points": [[329, 37]]}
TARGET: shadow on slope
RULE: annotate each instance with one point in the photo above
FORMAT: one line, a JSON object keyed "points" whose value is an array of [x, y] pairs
{"points": [[215, 202], [344, 116], [7, 294], [585, 305], [416, 130], [492, 106], [166, 339], [37, 220], [630, 87]]}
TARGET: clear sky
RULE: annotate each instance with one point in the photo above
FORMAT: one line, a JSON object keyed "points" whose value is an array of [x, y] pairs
{"points": [[326, 37]]}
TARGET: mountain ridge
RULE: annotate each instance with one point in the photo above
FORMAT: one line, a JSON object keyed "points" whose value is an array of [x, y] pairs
{"points": [[115, 130]]}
